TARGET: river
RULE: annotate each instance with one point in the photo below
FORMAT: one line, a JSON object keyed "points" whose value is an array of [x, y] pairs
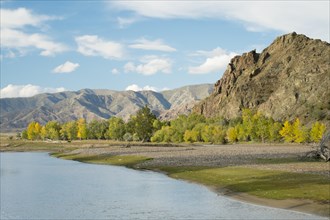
{"points": [[37, 186]]}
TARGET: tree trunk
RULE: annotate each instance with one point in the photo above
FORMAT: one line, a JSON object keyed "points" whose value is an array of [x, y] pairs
{"points": [[324, 150]]}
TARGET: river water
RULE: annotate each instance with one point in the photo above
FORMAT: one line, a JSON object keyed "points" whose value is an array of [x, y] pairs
{"points": [[37, 186]]}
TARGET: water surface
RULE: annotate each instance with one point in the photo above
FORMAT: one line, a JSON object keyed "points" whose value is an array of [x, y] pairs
{"points": [[37, 186]]}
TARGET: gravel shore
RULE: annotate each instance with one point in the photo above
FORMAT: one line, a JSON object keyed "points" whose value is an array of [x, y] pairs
{"points": [[260, 156]]}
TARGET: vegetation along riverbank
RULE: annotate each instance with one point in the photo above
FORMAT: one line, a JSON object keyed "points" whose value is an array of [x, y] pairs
{"points": [[276, 175]]}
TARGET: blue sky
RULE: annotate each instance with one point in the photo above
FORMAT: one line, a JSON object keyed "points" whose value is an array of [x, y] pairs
{"points": [[51, 46]]}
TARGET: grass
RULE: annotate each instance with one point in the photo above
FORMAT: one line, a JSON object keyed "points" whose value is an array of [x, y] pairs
{"points": [[24, 145], [262, 183], [120, 160]]}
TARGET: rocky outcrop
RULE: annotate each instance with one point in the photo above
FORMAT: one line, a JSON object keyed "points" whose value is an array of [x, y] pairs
{"points": [[289, 79]]}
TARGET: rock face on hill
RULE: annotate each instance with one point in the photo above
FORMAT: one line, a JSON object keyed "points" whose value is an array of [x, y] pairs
{"points": [[289, 79], [16, 113]]}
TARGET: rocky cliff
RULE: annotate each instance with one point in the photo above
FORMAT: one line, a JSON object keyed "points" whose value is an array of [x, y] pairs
{"points": [[289, 79]]}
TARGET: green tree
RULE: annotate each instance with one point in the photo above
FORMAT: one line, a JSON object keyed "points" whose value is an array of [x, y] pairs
{"points": [[179, 125], [262, 126], [43, 133], [24, 134], [136, 137], [214, 134], [128, 137], [207, 133], [53, 130], [143, 123], [116, 129], [274, 131], [69, 131], [157, 125], [97, 129], [219, 134], [317, 132], [165, 134], [248, 131]]}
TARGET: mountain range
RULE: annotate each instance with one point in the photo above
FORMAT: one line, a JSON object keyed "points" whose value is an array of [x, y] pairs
{"points": [[289, 79], [16, 113]]}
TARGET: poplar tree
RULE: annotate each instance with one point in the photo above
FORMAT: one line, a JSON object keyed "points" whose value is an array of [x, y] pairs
{"points": [[81, 129], [317, 132]]}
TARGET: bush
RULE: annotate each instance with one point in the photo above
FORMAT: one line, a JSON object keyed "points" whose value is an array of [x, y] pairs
{"points": [[128, 137]]}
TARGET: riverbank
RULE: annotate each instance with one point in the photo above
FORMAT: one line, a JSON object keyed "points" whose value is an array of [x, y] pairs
{"points": [[271, 175]]}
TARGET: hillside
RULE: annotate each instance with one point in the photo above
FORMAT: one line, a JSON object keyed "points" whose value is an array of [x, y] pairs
{"points": [[289, 79], [16, 113]]}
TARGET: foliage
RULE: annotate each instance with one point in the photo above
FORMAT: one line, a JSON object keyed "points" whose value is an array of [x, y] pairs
{"points": [[116, 129], [250, 126], [274, 131], [232, 134], [299, 131], [142, 124], [33, 131], [69, 131], [190, 136], [287, 132], [165, 134], [317, 132], [128, 137], [97, 129], [82, 129], [53, 130]]}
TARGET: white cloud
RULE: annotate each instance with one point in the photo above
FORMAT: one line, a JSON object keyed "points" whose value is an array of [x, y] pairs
{"points": [[15, 38], [129, 67], [216, 60], [136, 88], [19, 40], [158, 44], [115, 71], [150, 65], [28, 90], [92, 45], [66, 67], [18, 18], [124, 22], [307, 17]]}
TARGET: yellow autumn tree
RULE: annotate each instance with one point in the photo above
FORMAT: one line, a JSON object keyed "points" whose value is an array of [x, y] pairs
{"points": [[33, 130], [232, 134], [299, 131], [43, 133], [317, 132], [30, 130], [287, 132], [190, 136], [81, 129]]}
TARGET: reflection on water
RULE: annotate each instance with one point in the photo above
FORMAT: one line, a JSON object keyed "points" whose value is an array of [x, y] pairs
{"points": [[36, 186]]}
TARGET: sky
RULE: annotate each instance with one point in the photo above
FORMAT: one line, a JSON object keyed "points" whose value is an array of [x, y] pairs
{"points": [[54, 46]]}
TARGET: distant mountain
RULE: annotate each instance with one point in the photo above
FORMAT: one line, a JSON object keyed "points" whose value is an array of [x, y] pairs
{"points": [[289, 79], [16, 113]]}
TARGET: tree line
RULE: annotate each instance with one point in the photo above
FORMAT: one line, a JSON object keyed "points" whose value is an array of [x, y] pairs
{"points": [[144, 126]]}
